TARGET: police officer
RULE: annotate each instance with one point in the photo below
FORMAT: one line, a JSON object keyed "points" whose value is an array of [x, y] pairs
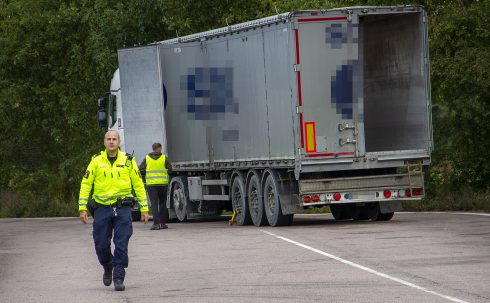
{"points": [[113, 175], [156, 168]]}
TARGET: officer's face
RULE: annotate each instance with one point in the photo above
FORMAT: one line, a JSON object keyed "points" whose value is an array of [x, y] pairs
{"points": [[111, 141]]}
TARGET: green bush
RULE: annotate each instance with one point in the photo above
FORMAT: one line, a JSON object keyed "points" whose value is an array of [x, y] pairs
{"points": [[58, 57]]}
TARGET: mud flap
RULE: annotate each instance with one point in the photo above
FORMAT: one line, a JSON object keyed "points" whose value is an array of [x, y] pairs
{"points": [[290, 204], [390, 206]]}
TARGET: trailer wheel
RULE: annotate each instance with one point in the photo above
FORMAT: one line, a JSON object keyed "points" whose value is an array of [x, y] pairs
{"points": [[386, 217], [272, 205], [239, 201], [375, 213], [340, 211], [179, 200], [255, 205], [358, 212]]}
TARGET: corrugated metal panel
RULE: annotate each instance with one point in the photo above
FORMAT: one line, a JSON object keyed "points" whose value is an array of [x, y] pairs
{"points": [[229, 99], [141, 95]]}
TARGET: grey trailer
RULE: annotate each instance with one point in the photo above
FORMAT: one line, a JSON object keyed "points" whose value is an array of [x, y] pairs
{"points": [[298, 110]]}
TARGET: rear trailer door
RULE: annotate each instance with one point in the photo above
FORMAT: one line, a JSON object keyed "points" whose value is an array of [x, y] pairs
{"points": [[363, 85], [142, 99], [329, 88]]}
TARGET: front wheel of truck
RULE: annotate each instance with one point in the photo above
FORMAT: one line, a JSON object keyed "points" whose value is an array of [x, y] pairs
{"points": [[179, 199]]}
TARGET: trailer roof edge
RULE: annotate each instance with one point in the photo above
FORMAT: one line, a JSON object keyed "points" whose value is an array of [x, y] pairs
{"points": [[284, 17]]}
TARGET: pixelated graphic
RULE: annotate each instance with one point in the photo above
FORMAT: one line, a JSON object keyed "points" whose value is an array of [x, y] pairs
{"points": [[209, 92], [345, 87], [341, 33]]}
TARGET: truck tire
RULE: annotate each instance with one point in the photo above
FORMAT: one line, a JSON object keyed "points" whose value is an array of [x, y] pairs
{"points": [[179, 199], [340, 211], [272, 204], [358, 212], [386, 217], [375, 213], [255, 204], [239, 201]]}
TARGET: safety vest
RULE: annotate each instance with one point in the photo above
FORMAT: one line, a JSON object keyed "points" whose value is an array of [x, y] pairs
{"points": [[112, 181], [156, 173]]}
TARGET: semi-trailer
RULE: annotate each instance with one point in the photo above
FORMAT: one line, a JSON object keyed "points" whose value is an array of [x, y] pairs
{"points": [[297, 110]]}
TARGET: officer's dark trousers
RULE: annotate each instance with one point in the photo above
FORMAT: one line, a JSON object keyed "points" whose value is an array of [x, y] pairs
{"points": [[107, 221], [158, 195]]}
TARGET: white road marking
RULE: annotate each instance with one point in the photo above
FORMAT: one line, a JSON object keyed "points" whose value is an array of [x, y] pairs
{"points": [[417, 212], [444, 213], [386, 276]]}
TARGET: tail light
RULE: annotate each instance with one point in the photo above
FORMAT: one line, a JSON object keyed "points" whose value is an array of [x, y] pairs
{"points": [[417, 191], [387, 194], [307, 199], [408, 193], [315, 198], [336, 196]]}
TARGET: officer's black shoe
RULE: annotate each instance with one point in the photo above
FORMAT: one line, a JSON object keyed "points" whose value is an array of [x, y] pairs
{"points": [[119, 285], [107, 277]]}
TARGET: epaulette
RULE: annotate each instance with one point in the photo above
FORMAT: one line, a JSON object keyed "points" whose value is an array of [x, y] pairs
{"points": [[129, 160], [97, 154]]}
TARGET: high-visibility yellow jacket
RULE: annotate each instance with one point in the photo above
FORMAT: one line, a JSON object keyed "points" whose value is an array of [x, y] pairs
{"points": [[112, 181], [156, 173]]}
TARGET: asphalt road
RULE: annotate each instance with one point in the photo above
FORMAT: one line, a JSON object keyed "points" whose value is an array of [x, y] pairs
{"points": [[416, 257]]}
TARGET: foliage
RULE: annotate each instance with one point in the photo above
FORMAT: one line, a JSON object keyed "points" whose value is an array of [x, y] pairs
{"points": [[460, 52], [58, 56]]}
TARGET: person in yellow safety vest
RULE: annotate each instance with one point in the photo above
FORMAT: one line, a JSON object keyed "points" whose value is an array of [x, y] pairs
{"points": [[155, 169], [112, 175]]}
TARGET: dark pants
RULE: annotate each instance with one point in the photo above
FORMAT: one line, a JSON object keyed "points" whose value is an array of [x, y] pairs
{"points": [[106, 221], [157, 195]]}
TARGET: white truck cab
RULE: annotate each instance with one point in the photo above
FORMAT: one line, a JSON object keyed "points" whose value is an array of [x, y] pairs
{"points": [[109, 115]]}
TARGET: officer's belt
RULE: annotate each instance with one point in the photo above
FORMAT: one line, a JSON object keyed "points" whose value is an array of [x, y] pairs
{"points": [[119, 203]]}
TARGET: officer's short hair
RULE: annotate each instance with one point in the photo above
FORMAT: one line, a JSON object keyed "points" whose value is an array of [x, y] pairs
{"points": [[156, 146], [113, 131]]}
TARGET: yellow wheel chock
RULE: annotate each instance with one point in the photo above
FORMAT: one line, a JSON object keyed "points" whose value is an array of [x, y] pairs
{"points": [[233, 217]]}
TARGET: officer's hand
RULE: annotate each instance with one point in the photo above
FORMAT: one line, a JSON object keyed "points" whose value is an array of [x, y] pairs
{"points": [[144, 217], [83, 216]]}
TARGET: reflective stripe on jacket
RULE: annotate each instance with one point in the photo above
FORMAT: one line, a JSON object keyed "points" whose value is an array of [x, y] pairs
{"points": [[112, 181], [156, 173]]}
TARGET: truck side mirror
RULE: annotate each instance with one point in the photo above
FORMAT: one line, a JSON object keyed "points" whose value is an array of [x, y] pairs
{"points": [[102, 102], [102, 119]]}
